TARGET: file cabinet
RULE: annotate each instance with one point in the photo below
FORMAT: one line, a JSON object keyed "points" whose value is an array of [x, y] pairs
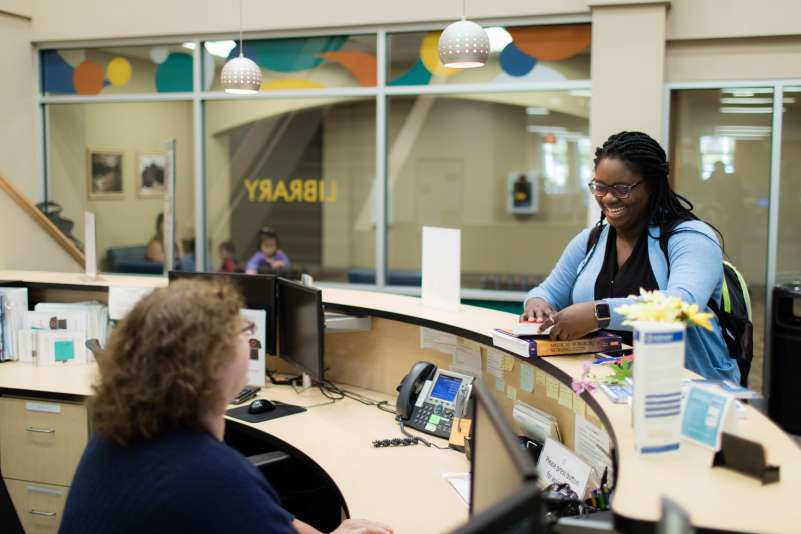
{"points": [[41, 442]]}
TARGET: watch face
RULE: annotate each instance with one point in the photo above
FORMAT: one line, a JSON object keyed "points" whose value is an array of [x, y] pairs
{"points": [[602, 311]]}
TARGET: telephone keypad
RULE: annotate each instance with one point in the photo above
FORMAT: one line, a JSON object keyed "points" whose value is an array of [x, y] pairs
{"points": [[433, 418]]}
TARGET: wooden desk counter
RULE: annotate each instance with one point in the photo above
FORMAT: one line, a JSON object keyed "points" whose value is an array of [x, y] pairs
{"points": [[715, 499], [400, 486]]}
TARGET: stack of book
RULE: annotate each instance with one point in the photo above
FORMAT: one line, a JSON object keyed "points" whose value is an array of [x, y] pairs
{"points": [[541, 345]]}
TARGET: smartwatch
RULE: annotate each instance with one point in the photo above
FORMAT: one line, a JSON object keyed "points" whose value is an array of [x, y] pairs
{"points": [[602, 314]]}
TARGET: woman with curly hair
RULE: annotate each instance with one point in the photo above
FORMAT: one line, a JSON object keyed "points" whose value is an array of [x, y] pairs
{"points": [[156, 461]]}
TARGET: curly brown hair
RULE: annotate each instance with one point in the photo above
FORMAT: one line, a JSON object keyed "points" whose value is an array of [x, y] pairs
{"points": [[160, 369]]}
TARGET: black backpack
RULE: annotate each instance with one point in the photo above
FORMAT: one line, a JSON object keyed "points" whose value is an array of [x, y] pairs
{"points": [[734, 314]]}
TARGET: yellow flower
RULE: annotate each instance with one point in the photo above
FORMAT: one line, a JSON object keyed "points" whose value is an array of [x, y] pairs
{"points": [[657, 307]]}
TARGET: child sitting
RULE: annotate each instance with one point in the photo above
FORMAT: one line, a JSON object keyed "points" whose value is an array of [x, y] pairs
{"points": [[268, 255]]}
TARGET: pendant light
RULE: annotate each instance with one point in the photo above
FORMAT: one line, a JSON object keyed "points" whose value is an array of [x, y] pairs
{"points": [[241, 75], [464, 44]]}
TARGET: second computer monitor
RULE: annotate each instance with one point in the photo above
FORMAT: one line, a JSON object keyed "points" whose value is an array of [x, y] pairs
{"points": [[301, 327], [499, 467]]}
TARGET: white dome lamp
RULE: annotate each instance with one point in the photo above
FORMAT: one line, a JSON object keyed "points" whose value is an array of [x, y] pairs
{"points": [[241, 75], [464, 44]]}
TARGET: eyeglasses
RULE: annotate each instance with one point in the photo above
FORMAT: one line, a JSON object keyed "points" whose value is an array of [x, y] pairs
{"points": [[617, 190], [249, 329]]}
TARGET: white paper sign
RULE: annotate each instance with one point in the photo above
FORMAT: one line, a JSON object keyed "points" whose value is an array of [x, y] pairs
{"points": [[257, 365], [90, 246], [121, 300], [592, 446], [434, 339], [467, 360], [495, 362], [558, 464], [441, 268]]}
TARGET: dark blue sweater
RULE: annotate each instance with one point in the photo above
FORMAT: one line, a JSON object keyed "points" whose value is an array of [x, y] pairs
{"points": [[181, 482]]}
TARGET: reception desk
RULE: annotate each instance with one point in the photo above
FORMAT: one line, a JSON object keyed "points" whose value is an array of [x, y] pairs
{"points": [[403, 486]]}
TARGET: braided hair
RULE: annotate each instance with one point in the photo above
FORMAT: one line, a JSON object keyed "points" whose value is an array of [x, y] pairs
{"points": [[644, 156]]}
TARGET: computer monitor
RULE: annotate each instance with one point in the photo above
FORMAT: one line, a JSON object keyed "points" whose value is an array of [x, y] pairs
{"points": [[301, 327], [258, 290], [519, 513], [499, 467]]}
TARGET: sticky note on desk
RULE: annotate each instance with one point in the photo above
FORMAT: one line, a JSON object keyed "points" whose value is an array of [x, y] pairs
{"points": [[579, 406], [540, 377], [565, 396], [551, 387], [500, 384], [526, 377], [508, 362], [511, 392]]}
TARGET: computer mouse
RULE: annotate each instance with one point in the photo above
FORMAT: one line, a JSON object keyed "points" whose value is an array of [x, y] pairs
{"points": [[260, 406]]}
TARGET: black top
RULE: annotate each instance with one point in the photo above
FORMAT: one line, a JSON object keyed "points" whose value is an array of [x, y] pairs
{"points": [[180, 482], [635, 273]]}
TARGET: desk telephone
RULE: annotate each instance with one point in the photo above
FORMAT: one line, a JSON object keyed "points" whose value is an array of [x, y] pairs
{"points": [[429, 398]]}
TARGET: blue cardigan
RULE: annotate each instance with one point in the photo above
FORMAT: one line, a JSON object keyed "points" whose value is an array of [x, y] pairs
{"points": [[696, 274]]}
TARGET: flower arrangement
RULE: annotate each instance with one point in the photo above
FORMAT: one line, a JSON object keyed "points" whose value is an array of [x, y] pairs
{"points": [[651, 306], [660, 308]]}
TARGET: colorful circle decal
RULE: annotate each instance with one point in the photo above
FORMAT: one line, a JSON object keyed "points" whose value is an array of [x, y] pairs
{"points": [[159, 54], [429, 53], [175, 74], [88, 78], [119, 71], [515, 62]]}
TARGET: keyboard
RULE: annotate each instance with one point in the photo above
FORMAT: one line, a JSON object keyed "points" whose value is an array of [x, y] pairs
{"points": [[247, 393]]}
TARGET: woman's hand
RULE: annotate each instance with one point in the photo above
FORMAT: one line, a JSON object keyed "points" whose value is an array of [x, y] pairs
{"points": [[537, 309], [362, 526], [573, 322], [277, 264]]}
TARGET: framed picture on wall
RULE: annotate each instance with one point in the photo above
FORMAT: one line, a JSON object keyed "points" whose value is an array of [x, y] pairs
{"points": [[150, 171], [104, 174]]}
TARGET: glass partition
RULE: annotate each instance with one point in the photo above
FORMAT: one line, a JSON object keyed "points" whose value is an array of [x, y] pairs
{"points": [[109, 158], [508, 169], [117, 70], [305, 167], [721, 149], [789, 251], [517, 54], [299, 62]]}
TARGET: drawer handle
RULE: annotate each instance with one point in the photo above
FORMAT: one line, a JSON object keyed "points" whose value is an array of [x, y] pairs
{"points": [[42, 514], [40, 430]]}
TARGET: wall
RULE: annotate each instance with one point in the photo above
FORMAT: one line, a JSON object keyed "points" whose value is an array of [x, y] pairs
{"points": [[18, 136], [25, 246], [97, 19], [734, 59]]}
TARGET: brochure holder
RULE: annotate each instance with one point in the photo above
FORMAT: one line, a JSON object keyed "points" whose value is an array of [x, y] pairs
{"points": [[746, 457]]}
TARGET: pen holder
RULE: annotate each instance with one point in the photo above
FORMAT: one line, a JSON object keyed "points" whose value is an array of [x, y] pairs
{"points": [[746, 457]]}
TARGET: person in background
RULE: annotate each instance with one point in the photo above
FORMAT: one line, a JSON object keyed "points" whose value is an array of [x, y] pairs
{"points": [[268, 255], [227, 254], [157, 462], [593, 279], [155, 248]]}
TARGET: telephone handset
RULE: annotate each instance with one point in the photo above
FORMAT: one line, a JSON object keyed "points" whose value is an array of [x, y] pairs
{"points": [[427, 398]]}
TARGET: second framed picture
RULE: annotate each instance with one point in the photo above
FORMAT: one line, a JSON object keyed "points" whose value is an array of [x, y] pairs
{"points": [[150, 171]]}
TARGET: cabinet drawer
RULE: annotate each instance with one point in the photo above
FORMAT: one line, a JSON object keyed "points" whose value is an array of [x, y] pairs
{"points": [[39, 506], [41, 440]]}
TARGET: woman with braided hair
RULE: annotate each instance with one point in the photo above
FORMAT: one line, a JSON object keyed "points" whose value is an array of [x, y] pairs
{"points": [[605, 264]]}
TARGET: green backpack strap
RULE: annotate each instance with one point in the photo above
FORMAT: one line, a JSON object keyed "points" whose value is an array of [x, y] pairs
{"points": [[743, 288]]}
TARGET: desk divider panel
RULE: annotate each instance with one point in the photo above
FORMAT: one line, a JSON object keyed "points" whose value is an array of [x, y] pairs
{"points": [[380, 358]]}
